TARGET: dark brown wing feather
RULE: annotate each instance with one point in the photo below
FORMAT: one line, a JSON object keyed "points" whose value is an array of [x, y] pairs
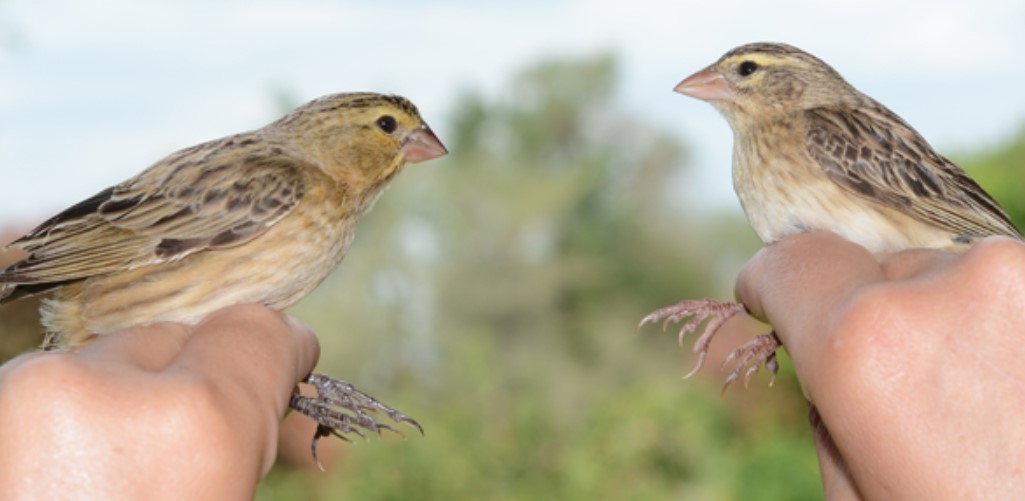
{"points": [[177, 207], [864, 153]]}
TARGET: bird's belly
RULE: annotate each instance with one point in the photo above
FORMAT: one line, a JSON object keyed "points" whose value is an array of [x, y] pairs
{"points": [[775, 211]]}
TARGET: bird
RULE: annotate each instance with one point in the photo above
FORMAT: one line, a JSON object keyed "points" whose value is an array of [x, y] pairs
{"points": [[257, 217], [812, 153]]}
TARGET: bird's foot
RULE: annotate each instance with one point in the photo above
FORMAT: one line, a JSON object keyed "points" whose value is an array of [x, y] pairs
{"points": [[328, 408], [750, 357], [695, 312]]}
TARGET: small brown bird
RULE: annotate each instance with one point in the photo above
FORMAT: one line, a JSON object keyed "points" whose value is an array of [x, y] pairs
{"points": [[258, 217], [812, 153]]}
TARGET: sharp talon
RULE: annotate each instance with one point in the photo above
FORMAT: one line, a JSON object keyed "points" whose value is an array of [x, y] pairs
{"points": [[751, 357], [316, 459], [747, 375], [412, 422], [726, 384], [773, 365], [382, 426], [693, 313], [352, 430], [726, 361], [697, 366], [402, 418], [680, 335], [322, 431], [637, 329], [340, 409]]}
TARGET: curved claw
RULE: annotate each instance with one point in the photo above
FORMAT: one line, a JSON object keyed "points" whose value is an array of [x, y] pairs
{"points": [[698, 365], [410, 421], [650, 317], [342, 410], [323, 431], [383, 426], [751, 357], [695, 312]]}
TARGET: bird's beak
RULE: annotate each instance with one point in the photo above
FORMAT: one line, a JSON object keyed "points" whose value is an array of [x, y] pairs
{"points": [[706, 85], [422, 144]]}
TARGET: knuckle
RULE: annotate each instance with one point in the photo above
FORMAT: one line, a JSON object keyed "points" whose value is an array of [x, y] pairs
{"points": [[996, 261], [47, 374]]}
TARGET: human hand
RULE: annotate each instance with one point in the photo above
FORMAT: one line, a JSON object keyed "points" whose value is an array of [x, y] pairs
{"points": [[151, 412], [913, 360]]}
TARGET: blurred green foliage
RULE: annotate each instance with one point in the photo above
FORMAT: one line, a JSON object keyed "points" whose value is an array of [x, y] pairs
{"points": [[1001, 171], [494, 296], [19, 320]]}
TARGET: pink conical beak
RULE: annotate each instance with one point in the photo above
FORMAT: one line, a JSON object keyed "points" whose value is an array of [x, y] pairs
{"points": [[706, 85], [422, 144]]}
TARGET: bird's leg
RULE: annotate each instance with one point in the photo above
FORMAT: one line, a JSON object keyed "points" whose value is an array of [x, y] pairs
{"points": [[757, 352], [749, 358], [329, 408], [695, 312]]}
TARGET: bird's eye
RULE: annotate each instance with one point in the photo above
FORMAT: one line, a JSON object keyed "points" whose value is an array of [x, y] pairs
{"points": [[747, 68], [387, 124]]}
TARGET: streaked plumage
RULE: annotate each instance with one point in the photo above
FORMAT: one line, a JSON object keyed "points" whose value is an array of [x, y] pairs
{"points": [[811, 152]]}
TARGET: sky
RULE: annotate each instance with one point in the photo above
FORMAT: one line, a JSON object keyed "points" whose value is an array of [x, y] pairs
{"points": [[93, 92]]}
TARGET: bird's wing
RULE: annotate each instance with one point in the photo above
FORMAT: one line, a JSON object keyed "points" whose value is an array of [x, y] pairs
{"points": [[166, 213], [866, 155]]}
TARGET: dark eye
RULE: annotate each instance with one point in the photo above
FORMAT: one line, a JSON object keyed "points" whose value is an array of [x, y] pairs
{"points": [[747, 68], [387, 124]]}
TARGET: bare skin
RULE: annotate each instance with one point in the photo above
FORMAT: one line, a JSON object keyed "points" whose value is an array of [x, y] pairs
{"points": [[912, 359], [165, 410]]}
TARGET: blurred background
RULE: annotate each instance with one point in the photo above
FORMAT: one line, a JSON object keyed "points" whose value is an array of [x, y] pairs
{"points": [[493, 294]]}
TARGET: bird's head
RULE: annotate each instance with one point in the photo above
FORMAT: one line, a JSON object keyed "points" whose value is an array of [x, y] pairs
{"points": [[761, 81], [364, 138]]}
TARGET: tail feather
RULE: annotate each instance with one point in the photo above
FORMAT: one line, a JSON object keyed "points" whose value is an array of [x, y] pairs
{"points": [[11, 291]]}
